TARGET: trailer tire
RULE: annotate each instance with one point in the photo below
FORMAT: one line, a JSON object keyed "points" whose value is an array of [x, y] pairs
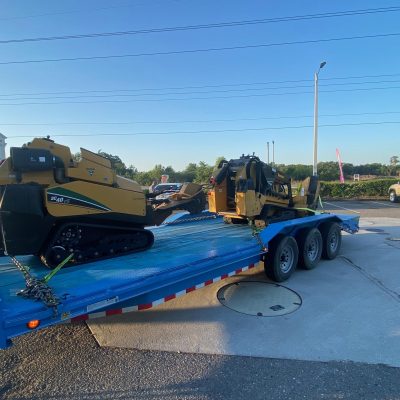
{"points": [[310, 248], [331, 239], [281, 260]]}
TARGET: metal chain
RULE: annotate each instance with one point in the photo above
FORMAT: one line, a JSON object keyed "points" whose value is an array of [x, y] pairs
{"points": [[256, 233], [36, 289], [21, 268]]}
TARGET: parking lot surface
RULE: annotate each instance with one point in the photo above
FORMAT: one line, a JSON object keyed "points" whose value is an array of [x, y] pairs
{"points": [[367, 208], [349, 310], [341, 347]]}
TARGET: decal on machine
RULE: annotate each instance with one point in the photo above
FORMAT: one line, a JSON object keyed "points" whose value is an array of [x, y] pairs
{"points": [[64, 196]]}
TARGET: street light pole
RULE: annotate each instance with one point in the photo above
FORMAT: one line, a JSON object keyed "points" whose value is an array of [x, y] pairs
{"points": [[273, 152], [315, 155], [267, 152]]}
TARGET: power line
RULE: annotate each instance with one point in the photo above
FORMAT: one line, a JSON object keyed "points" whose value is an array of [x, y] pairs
{"points": [[154, 89], [368, 11], [80, 11], [358, 77], [155, 100], [358, 83], [197, 98], [211, 49], [196, 121], [156, 94], [211, 86], [211, 131], [196, 92]]}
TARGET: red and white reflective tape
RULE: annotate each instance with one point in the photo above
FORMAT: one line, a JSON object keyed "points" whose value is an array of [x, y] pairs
{"points": [[146, 306]]}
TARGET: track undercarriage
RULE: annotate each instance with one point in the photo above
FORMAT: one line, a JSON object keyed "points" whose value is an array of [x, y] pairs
{"points": [[92, 242]]}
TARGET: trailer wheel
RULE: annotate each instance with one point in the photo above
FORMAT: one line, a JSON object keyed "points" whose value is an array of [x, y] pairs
{"points": [[281, 260], [332, 240], [310, 248]]}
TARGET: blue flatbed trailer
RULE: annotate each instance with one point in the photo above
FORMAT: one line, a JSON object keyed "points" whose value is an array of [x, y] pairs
{"points": [[187, 254]]}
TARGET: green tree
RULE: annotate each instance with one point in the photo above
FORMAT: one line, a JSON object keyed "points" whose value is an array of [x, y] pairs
{"points": [[394, 160], [189, 173], [131, 172], [218, 160], [371, 169], [171, 173], [203, 173], [348, 170], [144, 178], [394, 167], [328, 171], [297, 172], [156, 173], [77, 156], [116, 163]]}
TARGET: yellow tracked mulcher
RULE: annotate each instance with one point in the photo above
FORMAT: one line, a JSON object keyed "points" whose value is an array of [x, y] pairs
{"points": [[52, 206], [246, 189]]}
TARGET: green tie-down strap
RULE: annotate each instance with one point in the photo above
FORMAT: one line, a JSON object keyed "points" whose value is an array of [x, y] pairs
{"points": [[315, 211], [308, 209], [320, 202], [56, 269]]}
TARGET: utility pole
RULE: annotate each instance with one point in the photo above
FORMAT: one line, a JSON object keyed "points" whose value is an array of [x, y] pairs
{"points": [[267, 152], [315, 155], [2, 146], [273, 152]]}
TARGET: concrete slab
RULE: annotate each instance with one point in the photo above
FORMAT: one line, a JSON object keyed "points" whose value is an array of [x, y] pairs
{"points": [[350, 311]]}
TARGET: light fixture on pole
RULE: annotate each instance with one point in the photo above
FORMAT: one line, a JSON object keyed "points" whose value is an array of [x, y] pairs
{"points": [[315, 155]]}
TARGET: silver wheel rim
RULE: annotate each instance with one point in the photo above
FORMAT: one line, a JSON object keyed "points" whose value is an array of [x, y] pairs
{"points": [[333, 241], [391, 196], [312, 249], [286, 261]]}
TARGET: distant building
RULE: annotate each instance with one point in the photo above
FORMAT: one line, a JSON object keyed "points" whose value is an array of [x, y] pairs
{"points": [[2, 146]]}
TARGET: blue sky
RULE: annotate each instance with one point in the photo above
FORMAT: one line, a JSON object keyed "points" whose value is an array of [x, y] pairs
{"points": [[252, 116]]}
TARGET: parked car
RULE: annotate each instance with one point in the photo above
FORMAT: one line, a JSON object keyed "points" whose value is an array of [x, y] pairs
{"points": [[394, 192], [166, 189]]}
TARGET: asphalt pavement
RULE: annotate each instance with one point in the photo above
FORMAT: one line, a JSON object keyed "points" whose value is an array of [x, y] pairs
{"points": [[66, 362], [367, 208]]}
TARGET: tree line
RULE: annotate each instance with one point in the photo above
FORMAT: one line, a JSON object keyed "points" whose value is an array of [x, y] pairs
{"points": [[201, 172], [329, 171]]}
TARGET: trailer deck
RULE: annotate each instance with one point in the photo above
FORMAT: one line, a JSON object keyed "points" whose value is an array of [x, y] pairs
{"points": [[185, 254]]}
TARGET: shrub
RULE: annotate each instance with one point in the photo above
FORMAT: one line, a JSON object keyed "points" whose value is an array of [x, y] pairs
{"points": [[375, 188]]}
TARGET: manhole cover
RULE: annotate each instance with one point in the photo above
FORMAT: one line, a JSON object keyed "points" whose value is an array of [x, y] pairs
{"points": [[261, 299], [364, 222]]}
